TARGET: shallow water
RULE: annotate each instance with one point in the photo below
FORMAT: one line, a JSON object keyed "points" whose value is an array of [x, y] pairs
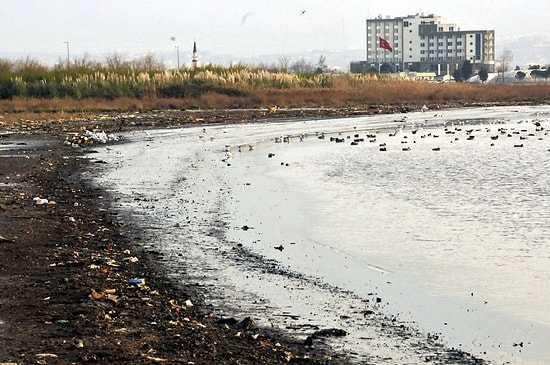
{"points": [[454, 242]]}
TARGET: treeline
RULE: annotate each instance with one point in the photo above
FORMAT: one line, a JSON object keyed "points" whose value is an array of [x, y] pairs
{"points": [[539, 72], [148, 77]]}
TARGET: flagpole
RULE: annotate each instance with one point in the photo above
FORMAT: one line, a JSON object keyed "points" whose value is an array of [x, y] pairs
{"points": [[376, 57]]}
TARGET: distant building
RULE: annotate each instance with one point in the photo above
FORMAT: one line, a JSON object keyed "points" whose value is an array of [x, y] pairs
{"points": [[424, 43]]}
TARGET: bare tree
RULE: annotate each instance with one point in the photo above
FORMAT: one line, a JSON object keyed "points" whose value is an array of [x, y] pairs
{"points": [[148, 63], [321, 65], [506, 59], [29, 64], [268, 67], [284, 62], [6, 65], [85, 62], [115, 62], [301, 66]]}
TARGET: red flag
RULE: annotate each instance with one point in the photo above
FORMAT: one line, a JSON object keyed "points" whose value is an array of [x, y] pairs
{"points": [[385, 44]]}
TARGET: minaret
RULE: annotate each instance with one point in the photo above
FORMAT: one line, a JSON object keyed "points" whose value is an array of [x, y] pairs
{"points": [[195, 59]]}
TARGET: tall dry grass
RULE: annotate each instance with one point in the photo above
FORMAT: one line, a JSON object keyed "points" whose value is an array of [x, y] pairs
{"points": [[43, 91]]}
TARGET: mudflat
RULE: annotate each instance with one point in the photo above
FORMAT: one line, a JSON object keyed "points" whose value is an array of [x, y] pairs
{"points": [[77, 290]]}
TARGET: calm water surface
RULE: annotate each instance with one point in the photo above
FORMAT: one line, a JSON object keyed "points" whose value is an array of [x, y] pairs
{"points": [[463, 232], [452, 231]]}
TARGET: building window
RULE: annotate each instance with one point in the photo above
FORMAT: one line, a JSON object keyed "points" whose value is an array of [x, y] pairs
{"points": [[405, 24], [451, 29], [422, 44]]}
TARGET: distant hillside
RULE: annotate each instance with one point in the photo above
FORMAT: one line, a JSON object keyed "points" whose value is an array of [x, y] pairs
{"points": [[528, 49]]}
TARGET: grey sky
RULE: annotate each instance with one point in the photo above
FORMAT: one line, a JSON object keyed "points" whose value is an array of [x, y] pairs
{"points": [[237, 27]]}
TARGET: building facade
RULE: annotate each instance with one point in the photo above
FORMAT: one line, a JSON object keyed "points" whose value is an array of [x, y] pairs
{"points": [[425, 43]]}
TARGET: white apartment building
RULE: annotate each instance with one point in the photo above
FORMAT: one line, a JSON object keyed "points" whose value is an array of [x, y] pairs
{"points": [[425, 43]]}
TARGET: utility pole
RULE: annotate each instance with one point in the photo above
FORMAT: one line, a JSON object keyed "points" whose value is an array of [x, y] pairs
{"points": [[68, 55], [178, 55]]}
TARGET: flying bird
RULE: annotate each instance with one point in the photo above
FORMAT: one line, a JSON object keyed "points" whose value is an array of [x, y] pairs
{"points": [[302, 12], [245, 16]]}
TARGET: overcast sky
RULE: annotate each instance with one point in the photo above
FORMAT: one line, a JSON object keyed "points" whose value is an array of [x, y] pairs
{"points": [[238, 27]]}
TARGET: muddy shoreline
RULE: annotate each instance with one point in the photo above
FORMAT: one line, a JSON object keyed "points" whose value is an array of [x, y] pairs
{"points": [[67, 268], [68, 294]]}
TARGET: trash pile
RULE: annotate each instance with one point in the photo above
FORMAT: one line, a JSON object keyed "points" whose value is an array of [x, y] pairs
{"points": [[43, 201], [88, 137]]}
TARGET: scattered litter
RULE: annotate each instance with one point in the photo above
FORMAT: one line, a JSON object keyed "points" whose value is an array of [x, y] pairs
{"points": [[107, 294], [4, 239], [154, 359], [43, 356], [112, 298], [137, 281], [95, 295], [112, 263], [40, 201], [89, 138]]}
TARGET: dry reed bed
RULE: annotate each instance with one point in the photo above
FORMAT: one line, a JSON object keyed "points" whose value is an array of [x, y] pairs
{"points": [[261, 89]]}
